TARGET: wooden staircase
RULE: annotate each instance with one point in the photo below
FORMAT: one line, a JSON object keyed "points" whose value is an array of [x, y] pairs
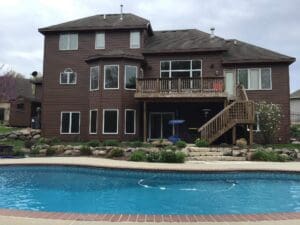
{"points": [[240, 111]]}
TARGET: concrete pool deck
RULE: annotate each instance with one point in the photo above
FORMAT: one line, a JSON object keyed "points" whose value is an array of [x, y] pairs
{"points": [[20, 217]]}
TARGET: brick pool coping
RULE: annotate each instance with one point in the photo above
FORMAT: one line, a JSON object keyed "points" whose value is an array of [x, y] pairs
{"points": [[113, 164], [151, 218]]}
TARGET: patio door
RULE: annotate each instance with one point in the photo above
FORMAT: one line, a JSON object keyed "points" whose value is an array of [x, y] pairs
{"points": [[230, 83], [159, 127]]}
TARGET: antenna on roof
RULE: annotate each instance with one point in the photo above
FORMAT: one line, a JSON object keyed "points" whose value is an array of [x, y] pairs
{"points": [[212, 32], [121, 15]]}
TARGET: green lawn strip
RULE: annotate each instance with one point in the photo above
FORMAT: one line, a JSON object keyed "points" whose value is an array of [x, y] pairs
{"points": [[288, 146], [4, 129]]}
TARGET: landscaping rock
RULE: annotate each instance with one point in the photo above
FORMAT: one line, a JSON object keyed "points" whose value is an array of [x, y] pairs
{"points": [[298, 155], [296, 142], [12, 136], [37, 136], [242, 143], [236, 152], [76, 152], [43, 151], [99, 152], [58, 148], [25, 132], [161, 143], [68, 152], [77, 147], [25, 150]]}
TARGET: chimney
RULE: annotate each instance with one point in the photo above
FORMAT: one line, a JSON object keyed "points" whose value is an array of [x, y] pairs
{"points": [[121, 15], [212, 32]]}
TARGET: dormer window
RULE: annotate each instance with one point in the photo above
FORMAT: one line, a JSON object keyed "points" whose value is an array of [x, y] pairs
{"points": [[100, 40], [68, 77], [135, 41], [68, 41]]}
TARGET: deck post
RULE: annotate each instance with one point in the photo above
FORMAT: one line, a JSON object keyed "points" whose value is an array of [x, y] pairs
{"points": [[251, 134], [145, 121], [234, 135]]}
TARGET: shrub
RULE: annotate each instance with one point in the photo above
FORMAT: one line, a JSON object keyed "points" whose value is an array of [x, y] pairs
{"points": [[28, 143], [180, 144], [18, 153], [138, 156], [153, 157], [117, 152], [201, 143], [85, 150], [180, 157], [49, 141], [295, 131], [111, 143], [242, 143], [135, 144], [93, 143], [262, 155], [35, 151], [50, 151], [172, 157], [269, 120]]}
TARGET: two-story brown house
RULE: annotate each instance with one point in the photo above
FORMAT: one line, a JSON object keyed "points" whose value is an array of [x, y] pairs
{"points": [[113, 77]]}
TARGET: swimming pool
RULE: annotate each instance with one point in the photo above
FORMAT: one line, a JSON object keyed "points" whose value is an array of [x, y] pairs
{"points": [[96, 190]]}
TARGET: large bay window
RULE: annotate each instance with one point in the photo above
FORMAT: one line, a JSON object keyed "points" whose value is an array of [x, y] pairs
{"points": [[111, 77], [70, 123], [68, 41], [110, 121], [255, 79]]}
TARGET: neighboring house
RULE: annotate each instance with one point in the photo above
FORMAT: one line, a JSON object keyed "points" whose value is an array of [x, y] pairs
{"points": [[295, 107], [113, 77], [20, 100]]}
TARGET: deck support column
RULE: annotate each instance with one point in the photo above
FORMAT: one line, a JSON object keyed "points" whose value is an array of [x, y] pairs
{"points": [[234, 135], [251, 134], [145, 121]]}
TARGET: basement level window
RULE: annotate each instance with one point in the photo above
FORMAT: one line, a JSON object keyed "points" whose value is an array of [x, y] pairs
{"points": [[68, 41]]}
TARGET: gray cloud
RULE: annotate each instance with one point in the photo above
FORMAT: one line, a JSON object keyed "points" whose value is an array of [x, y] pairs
{"points": [[272, 24]]}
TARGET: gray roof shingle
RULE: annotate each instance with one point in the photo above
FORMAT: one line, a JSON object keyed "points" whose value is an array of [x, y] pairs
{"points": [[98, 22], [295, 95]]}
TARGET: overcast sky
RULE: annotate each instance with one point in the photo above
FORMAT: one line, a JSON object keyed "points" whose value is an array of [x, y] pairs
{"points": [[272, 24]]}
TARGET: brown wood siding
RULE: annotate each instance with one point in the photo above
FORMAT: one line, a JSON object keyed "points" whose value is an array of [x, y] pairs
{"points": [[20, 118]]}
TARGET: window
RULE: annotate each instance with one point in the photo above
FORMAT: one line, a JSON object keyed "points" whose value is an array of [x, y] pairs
{"points": [[110, 121], [93, 121], [68, 77], [20, 106], [111, 77], [68, 41], [255, 79], [130, 121], [135, 39], [130, 77], [70, 122], [94, 78], [100, 41], [180, 68]]}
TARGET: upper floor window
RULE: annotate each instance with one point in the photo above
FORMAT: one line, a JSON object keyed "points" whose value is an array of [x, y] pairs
{"points": [[130, 77], [255, 79], [100, 40], [180, 68], [94, 78], [135, 39], [68, 77], [68, 41], [111, 77]]}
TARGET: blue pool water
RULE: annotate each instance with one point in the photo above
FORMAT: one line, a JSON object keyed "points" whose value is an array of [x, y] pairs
{"points": [[95, 190]]}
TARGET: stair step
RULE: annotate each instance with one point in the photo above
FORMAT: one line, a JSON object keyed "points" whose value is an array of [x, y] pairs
{"points": [[205, 153], [216, 158]]}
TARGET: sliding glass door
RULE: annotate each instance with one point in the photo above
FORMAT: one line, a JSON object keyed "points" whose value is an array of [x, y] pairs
{"points": [[159, 125]]}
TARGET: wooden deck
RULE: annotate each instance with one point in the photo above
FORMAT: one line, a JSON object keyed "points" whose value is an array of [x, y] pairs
{"points": [[200, 87]]}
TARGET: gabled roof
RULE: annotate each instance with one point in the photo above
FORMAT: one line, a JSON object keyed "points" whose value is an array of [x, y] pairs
{"points": [[102, 22], [242, 52], [183, 40], [295, 95]]}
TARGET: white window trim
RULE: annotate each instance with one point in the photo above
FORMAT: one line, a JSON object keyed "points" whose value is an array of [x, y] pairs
{"points": [[90, 125], [134, 128], [136, 75], [130, 44], [103, 121], [96, 40], [68, 78], [190, 70], [70, 123], [95, 89], [105, 78], [68, 49], [259, 85]]}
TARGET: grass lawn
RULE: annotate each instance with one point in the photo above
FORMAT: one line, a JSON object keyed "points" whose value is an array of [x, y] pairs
{"points": [[4, 129], [289, 146]]}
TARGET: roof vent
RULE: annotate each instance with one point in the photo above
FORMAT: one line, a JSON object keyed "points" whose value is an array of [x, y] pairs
{"points": [[121, 14], [212, 32], [104, 16]]}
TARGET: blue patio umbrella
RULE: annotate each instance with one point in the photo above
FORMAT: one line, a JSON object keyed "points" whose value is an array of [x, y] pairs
{"points": [[176, 123]]}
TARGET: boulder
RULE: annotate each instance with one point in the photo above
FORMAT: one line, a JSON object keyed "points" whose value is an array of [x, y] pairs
{"points": [[43, 151], [68, 152], [99, 152], [25, 150], [12, 136], [37, 136], [25, 132], [242, 142], [298, 155], [35, 132], [77, 147], [236, 153], [58, 148], [161, 143], [296, 142], [76, 152]]}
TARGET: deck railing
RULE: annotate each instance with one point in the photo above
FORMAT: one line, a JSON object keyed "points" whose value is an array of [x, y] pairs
{"points": [[180, 85]]}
